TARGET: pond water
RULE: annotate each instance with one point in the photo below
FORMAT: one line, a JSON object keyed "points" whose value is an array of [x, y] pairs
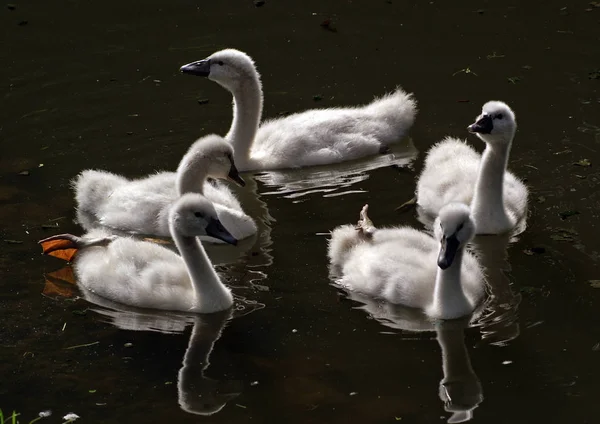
{"points": [[96, 85]]}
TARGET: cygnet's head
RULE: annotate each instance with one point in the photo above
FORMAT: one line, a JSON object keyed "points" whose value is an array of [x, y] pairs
{"points": [[193, 215], [215, 156], [454, 228], [229, 68], [496, 124]]}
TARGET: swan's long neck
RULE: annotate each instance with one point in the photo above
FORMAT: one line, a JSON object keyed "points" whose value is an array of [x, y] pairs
{"points": [[191, 178], [247, 112], [449, 299], [210, 294], [488, 201]]}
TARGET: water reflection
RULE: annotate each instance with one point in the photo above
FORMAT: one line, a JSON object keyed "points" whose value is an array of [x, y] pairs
{"points": [[499, 322], [335, 180], [250, 270], [460, 390], [197, 394]]}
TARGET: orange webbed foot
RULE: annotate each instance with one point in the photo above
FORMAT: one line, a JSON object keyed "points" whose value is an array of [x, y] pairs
{"points": [[63, 246]]}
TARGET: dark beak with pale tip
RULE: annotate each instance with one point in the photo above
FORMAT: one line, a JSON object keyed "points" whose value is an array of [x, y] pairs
{"points": [[484, 125], [200, 68], [448, 251], [234, 175], [215, 229]]}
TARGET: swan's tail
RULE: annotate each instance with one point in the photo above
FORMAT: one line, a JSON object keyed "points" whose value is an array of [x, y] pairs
{"points": [[343, 239], [92, 188], [398, 107]]}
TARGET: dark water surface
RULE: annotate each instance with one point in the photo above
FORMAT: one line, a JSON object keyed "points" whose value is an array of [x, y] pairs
{"points": [[89, 84]]}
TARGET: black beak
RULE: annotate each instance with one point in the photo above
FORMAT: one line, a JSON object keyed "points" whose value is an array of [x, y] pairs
{"points": [[200, 68], [235, 176], [448, 251], [484, 125], [215, 229]]}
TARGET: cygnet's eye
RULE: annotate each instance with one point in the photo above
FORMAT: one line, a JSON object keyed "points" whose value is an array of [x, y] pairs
{"points": [[499, 116], [220, 63], [198, 214], [460, 227]]}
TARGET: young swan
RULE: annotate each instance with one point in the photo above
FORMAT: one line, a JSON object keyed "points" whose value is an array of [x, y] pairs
{"points": [[408, 267], [146, 275], [314, 137], [142, 205], [455, 172]]}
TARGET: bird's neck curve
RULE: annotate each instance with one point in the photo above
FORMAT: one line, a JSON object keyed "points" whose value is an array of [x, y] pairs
{"points": [[449, 299], [191, 177], [210, 293], [247, 113], [487, 206]]}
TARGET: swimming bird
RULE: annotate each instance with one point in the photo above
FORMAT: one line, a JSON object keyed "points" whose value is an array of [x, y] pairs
{"points": [[455, 172], [141, 206], [147, 275], [313, 137], [405, 266]]}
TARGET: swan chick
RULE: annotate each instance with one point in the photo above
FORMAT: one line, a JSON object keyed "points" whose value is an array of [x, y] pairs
{"points": [[141, 206], [405, 266], [455, 172], [313, 137], [144, 274]]}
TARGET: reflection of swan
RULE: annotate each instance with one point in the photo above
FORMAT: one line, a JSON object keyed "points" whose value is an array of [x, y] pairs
{"points": [[336, 179], [147, 275], [141, 206], [250, 270], [199, 394], [455, 172], [314, 137], [499, 323], [406, 266], [460, 390]]}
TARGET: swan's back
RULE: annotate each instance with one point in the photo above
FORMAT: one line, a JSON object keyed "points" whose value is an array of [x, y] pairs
{"points": [[323, 136], [399, 265], [92, 187], [141, 206], [136, 273], [450, 173], [397, 269]]}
